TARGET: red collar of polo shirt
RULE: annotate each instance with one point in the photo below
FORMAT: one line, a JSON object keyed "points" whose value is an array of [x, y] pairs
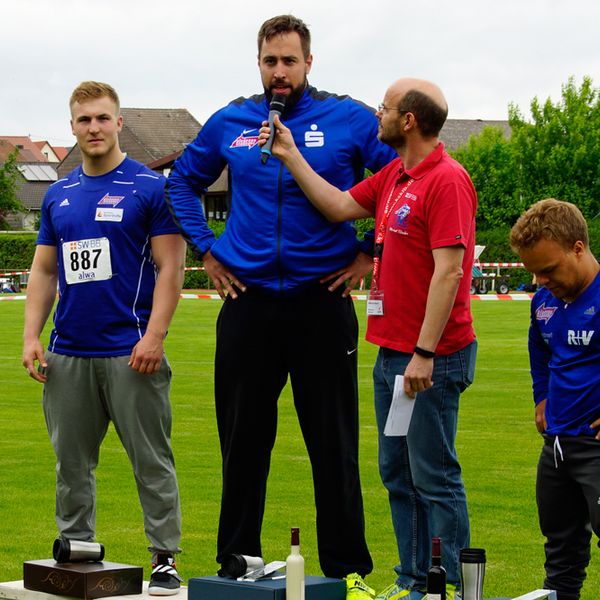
{"points": [[426, 165]]}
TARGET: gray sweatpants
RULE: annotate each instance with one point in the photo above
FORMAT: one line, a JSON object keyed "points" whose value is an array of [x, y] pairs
{"points": [[81, 397]]}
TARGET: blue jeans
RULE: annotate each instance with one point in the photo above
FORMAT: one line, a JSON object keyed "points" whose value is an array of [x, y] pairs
{"points": [[420, 470]]}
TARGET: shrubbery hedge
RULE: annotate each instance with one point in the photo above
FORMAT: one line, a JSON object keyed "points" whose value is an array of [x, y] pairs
{"points": [[16, 251]]}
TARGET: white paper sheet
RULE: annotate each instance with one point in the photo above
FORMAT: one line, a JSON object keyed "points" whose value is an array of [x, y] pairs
{"points": [[401, 410]]}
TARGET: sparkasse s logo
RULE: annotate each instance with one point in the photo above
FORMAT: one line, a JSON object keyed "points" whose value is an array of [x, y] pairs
{"points": [[314, 138]]}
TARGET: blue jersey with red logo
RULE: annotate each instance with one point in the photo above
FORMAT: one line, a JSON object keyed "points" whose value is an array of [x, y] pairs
{"points": [[101, 227], [274, 238], [564, 350]]}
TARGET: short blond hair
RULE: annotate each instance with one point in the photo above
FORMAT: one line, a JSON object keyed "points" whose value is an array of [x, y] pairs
{"points": [[91, 90], [549, 219]]}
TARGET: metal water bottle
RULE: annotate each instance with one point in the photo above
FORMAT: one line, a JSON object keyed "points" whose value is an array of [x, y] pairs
{"points": [[472, 572]]}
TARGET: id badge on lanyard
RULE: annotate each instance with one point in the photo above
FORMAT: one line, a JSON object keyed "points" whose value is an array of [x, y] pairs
{"points": [[375, 303], [375, 299]]}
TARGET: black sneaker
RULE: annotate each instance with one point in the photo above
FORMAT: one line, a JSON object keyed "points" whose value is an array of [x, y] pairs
{"points": [[165, 580]]}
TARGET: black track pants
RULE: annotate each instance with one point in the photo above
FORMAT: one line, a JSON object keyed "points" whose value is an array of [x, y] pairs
{"points": [[568, 498], [312, 337]]}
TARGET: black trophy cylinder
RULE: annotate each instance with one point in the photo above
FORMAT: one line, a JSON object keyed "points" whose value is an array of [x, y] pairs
{"points": [[66, 551], [238, 565]]}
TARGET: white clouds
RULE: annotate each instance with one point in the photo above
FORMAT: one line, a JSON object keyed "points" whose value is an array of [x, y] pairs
{"points": [[199, 55]]}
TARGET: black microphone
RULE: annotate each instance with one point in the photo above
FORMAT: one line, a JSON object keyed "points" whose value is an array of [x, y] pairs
{"points": [[275, 108]]}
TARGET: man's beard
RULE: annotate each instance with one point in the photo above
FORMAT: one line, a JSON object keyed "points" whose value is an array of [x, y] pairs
{"points": [[395, 139], [292, 98]]}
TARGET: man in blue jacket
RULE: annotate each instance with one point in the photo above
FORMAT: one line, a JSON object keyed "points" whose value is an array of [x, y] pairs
{"points": [[281, 268], [552, 239]]}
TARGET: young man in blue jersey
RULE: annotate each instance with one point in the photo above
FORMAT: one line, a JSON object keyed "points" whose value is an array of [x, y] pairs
{"points": [[282, 267], [108, 243], [551, 238]]}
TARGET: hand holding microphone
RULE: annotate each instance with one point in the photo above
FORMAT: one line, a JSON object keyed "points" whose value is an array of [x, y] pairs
{"points": [[275, 109]]}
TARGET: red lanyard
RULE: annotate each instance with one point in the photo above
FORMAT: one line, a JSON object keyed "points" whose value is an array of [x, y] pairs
{"points": [[382, 229]]}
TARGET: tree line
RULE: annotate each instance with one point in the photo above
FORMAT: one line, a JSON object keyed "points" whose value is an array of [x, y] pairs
{"points": [[554, 154]]}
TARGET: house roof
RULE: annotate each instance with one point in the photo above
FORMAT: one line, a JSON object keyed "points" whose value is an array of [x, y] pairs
{"points": [[31, 193], [157, 136], [28, 150], [148, 135], [38, 172], [59, 151], [221, 185], [7, 148], [33, 182], [456, 132], [164, 162], [161, 131]]}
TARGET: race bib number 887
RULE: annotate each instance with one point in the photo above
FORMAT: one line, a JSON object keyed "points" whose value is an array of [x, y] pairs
{"points": [[87, 260]]}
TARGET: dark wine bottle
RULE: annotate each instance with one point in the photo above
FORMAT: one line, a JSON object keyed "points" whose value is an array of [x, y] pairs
{"points": [[436, 574]]}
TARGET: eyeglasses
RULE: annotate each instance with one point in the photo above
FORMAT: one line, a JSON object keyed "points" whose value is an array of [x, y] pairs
{"points": [[382, 108]]}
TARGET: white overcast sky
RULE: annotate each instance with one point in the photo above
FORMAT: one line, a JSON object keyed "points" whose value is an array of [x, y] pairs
{"points": [[198, 55]]}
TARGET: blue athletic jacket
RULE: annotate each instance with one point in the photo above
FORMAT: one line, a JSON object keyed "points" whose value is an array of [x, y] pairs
{"points": [[564, 350], [274, 238]]}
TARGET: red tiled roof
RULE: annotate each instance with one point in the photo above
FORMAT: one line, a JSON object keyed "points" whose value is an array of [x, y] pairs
{"points": [[28, 150], [60, 151]]}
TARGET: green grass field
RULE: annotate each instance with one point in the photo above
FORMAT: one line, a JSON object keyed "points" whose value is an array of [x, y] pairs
{"points": [[497, 444]]}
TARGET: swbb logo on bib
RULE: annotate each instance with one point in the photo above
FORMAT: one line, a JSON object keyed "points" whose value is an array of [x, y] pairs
{"points": [[87, 260]]}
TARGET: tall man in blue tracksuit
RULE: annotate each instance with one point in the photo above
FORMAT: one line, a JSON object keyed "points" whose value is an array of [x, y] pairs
{"points": [[552, 239], [281, 268]]}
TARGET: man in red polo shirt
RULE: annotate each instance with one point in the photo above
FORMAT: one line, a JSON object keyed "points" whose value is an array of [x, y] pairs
{"points": [[419, 314]]}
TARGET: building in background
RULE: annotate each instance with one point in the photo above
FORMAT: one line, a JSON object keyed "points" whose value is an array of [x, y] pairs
{"points": [[155, 137]]}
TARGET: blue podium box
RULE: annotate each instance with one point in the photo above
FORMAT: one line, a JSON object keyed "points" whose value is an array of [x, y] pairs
{"points": [[222, 588]]}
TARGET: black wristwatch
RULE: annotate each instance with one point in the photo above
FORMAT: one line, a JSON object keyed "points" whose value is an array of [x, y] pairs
{"points": [[424, 353]]}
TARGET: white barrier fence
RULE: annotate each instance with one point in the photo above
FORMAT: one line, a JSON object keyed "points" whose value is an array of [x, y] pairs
{"points": [[209, 296]]}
